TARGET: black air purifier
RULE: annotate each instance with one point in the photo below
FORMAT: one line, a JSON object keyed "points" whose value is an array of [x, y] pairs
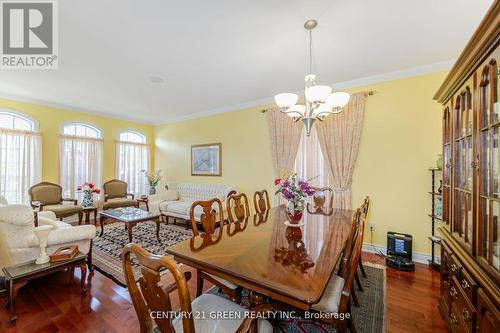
{"points": [[399, 249]]}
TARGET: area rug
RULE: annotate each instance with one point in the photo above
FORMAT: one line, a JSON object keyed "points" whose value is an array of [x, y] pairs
{"points": [[107, 249], [370, 317]]}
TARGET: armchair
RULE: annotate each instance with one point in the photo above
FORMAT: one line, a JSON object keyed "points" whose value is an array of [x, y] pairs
{"points": [[19, 244], [48, 197], [116, 195]]}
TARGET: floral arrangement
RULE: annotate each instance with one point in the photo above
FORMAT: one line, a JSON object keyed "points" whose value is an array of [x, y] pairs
{"points": [[153, 179], [88, 188], [296, 191]]}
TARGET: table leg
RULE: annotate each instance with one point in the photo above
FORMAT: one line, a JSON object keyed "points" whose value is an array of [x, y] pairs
{"points": [[102, 224], [13, 316], [258, 302], [71, 273], [87, 217], [158, 228], [129, 227], [95, 216], [83, 270]]}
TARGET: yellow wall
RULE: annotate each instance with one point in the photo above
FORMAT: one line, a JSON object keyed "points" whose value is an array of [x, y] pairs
{"points": [[400, 141], [50, 121]]}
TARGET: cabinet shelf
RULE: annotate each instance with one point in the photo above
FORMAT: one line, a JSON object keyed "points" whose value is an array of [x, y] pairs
{"points": [[440, 218], [435, 193]]}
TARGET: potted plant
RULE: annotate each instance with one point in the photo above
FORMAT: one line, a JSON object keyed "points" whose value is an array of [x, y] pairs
{"points": [[153, 179], [296, 192], [88, 190]]}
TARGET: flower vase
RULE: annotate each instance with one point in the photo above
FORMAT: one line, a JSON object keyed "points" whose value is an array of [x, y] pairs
{"points": [[294, 216], [152, 190], [87, 200]]}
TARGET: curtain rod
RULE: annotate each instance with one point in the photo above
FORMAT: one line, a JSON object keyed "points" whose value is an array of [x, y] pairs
{"points": [[367, 93]]}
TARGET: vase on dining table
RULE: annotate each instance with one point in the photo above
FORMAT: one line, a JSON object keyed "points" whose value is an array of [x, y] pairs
{"points": [[294, 212]]}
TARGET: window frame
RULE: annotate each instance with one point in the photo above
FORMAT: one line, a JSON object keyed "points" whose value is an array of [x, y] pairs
{"points": [[84, 124], [22, 116], [140, 134]]}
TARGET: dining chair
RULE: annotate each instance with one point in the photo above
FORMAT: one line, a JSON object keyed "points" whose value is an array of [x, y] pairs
{"points": [[150, 296], [208, 217], [320, 198], [347, 251], [261, 201], [237, 204], [364, 213], [337, 296]]}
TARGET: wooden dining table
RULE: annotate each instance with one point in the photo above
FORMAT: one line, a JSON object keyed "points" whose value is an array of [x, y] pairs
{"points": [[265, 255]]}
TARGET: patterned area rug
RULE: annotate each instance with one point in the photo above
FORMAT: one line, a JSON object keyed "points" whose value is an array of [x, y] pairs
{"points": [[107, 250], [368, 318]]}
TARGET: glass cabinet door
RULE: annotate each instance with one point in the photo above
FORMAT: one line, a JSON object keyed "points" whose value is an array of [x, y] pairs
{"points": [[489, 158], [463, 172], [446, 164]]}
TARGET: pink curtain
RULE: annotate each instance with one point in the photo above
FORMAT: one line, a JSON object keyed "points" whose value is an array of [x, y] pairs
{"points": [[339, 136], [284, 135]]}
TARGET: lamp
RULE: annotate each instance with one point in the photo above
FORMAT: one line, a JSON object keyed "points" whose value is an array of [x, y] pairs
{"points": [[320, 101]]}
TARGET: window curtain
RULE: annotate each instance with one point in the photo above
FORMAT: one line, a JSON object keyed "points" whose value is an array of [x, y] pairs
{"points": [[339, 136], [284, 135], [310, 162], [20, 164], [80, 162], [131, 159]]}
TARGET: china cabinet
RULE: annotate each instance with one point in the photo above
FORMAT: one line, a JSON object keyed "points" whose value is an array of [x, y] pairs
{"points": [[470, 245]]}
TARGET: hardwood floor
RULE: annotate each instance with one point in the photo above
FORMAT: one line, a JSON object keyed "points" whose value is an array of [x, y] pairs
{"points": [[49, 305]]}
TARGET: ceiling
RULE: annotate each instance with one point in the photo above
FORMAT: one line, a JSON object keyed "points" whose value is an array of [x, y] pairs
{"points": [[220, 55]]}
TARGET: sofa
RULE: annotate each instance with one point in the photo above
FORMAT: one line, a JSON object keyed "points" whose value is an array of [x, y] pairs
{"points": [[19, 244], [176, 201]]}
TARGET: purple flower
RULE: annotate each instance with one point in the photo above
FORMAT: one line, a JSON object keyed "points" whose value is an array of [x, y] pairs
{"points": [[286, 183], [287, 194]]}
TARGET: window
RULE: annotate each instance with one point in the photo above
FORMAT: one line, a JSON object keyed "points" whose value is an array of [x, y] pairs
{"points": [[81, 151], [132, 156], [20, 156], [310, 162]]}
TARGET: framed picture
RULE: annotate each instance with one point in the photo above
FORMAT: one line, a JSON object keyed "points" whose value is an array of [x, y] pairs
{"points": [[206, 160]]}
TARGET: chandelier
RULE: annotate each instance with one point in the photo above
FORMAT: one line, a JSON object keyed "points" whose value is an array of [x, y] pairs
{"points": [[320, 101]]}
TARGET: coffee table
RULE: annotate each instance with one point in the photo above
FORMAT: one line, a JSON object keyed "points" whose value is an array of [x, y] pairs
{"points": [[27, 271], [130, 216]]}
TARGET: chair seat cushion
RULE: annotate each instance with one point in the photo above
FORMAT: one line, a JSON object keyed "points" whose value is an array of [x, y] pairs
{"points": [[180, 207], [331, 297], [208, 303], [224, 282], [63, 209], [121, 202]]}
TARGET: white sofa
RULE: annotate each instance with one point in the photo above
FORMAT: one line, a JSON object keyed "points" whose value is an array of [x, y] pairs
{"points": [[19, 244], [177, 200]]}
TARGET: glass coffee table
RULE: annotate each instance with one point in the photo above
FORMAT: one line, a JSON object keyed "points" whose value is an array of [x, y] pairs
{"points": [[21, 273], [130, 216]]}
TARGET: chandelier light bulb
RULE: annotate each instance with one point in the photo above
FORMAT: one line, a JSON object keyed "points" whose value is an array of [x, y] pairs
{"points": [[286, 100], [296, 111], [338, 100], [318, 93]]}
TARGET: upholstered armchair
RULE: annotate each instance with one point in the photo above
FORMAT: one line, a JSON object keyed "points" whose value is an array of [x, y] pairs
{"points": [[48, 197], [116, 195], [19, 244]]}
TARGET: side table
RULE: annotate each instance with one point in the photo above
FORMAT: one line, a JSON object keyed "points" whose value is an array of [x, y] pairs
{"points": [[87, 211], [144, 200], [24, 272]]}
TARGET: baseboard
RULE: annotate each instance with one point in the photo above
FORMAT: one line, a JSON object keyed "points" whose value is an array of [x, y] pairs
{"points": [[419, 257]]}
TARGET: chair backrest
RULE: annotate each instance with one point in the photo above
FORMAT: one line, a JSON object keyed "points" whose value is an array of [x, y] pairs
{"points": [[320, 197], [261, 201], [351, 271], [191, 191], [237, 207], [347, 252], [46, 193], [208, 216], [153, 296], [115, 188]]}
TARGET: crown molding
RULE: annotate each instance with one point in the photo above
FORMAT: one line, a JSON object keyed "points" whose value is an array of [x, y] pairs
{"points": [[390, 76], [73, 108]]}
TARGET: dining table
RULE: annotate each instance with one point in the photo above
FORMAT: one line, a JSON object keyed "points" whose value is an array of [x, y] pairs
{"points": [[271, 257]]}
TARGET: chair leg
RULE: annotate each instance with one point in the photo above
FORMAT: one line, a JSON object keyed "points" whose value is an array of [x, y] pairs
{"points": [[350, 324], [355, 298], [80, 218], [199, 283], [362, 268], [358, 282]]}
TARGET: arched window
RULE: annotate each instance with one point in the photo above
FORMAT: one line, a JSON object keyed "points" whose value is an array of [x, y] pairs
{"points": [[132, 136], [132, 157], [20, 158], [81, 154], [16, 121], [83, 130]]}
